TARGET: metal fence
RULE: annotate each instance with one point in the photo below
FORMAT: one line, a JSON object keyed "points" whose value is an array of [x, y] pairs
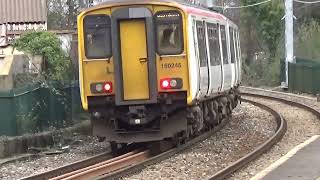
{"points": [[35, 108], [304, 76]]}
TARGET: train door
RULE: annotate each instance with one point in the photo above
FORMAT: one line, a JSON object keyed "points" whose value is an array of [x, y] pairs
{"points": [[233, 64], [215, 57], [134, 56], [203, 58], [227, 74], [239, 56]]}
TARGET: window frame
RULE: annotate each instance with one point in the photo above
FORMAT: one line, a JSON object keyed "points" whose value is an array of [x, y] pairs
{"points": [[224, 52], [232, 45], [180, 22], [110, 54], [214, 45], [201, 33]]}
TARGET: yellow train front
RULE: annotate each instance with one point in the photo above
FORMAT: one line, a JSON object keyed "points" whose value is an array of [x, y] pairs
{"points": [[134, 69]]}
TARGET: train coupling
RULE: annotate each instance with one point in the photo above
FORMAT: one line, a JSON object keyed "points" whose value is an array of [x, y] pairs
{"points": [[137, 115]]}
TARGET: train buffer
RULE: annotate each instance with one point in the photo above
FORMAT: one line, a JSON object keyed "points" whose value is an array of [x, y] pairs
{"points": [[300, 163]]}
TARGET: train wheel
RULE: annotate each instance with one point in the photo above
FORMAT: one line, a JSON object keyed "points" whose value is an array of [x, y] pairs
{"points": [[218, 114], [117, 148], [101, 139], [114, 147]]}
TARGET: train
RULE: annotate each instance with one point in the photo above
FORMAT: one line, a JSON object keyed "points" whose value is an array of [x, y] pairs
{"points": [[153, 70]]}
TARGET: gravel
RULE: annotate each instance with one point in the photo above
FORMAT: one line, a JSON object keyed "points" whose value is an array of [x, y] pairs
{"points": [[301, 126], [80, 147], [248, 128]]}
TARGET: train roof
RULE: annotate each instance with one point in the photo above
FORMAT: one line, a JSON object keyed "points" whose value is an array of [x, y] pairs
{"points": [[187, 7]]}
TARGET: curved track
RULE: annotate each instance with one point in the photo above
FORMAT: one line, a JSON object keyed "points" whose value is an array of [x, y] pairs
{"points": [[164, 155], [273, 140], [108, 168], [281, 130], [104, 166], [71, 167]]}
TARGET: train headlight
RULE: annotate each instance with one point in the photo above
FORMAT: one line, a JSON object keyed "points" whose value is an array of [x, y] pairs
{"points": [[99, 87], [108, 87], [105, 87], [171, 83], [165, 84]]}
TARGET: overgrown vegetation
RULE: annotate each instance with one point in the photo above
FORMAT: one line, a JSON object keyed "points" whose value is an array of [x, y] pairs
{"points": [[262, 34], [54, 81], [308, 41], [46, 44], [262, 31], [267, 23]]}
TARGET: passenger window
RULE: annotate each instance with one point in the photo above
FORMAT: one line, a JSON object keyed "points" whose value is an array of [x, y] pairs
{"points": [[202, 49], [232, 50], [238, 47], [224, 44], [97, 32], [169, 32], [214, 44]]}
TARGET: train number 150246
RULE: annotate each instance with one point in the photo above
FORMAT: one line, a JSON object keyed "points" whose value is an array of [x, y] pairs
{"points": [[171, 65]]}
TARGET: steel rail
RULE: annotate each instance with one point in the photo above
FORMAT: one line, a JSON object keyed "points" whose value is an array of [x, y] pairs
{"points": [[285, 101], [140, 164], [155, 159], [70, 167], [71, 170], [91, 172], [266, 146], [130, 162], [280, 132]]}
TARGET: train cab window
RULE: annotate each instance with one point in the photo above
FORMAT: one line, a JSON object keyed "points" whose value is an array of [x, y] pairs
{"points": [[169, 32], [224, 44], [232, 50], [214, 44], [97, 32], [202, 47]]}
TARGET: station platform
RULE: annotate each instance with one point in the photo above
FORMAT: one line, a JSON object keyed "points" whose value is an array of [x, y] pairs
{"points": [[301, 163]]}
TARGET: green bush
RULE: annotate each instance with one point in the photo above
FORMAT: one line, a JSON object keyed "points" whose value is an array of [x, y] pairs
{"points": [[261, 74], [47, 45], [307, 43]]}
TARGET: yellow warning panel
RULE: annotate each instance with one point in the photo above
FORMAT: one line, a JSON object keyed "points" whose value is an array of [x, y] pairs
{"points": [[134, 59]]}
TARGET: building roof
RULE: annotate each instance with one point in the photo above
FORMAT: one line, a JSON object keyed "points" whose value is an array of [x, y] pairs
{"points": [[23, 11]]}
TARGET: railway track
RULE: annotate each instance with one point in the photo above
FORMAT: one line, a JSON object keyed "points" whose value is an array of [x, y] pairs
{"points": [[136, 160], [157, 158], [273, 140], [105, 166], [71, 167]]}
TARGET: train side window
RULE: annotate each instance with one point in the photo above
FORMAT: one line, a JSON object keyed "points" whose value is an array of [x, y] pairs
{"points": [[97, 36], [214, 45], [224, 44], [236, 45], [232, 50], [169, 32], [202, 44]]}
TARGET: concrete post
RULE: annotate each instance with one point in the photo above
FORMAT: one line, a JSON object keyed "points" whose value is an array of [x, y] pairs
{"points": [[289, 38]]}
